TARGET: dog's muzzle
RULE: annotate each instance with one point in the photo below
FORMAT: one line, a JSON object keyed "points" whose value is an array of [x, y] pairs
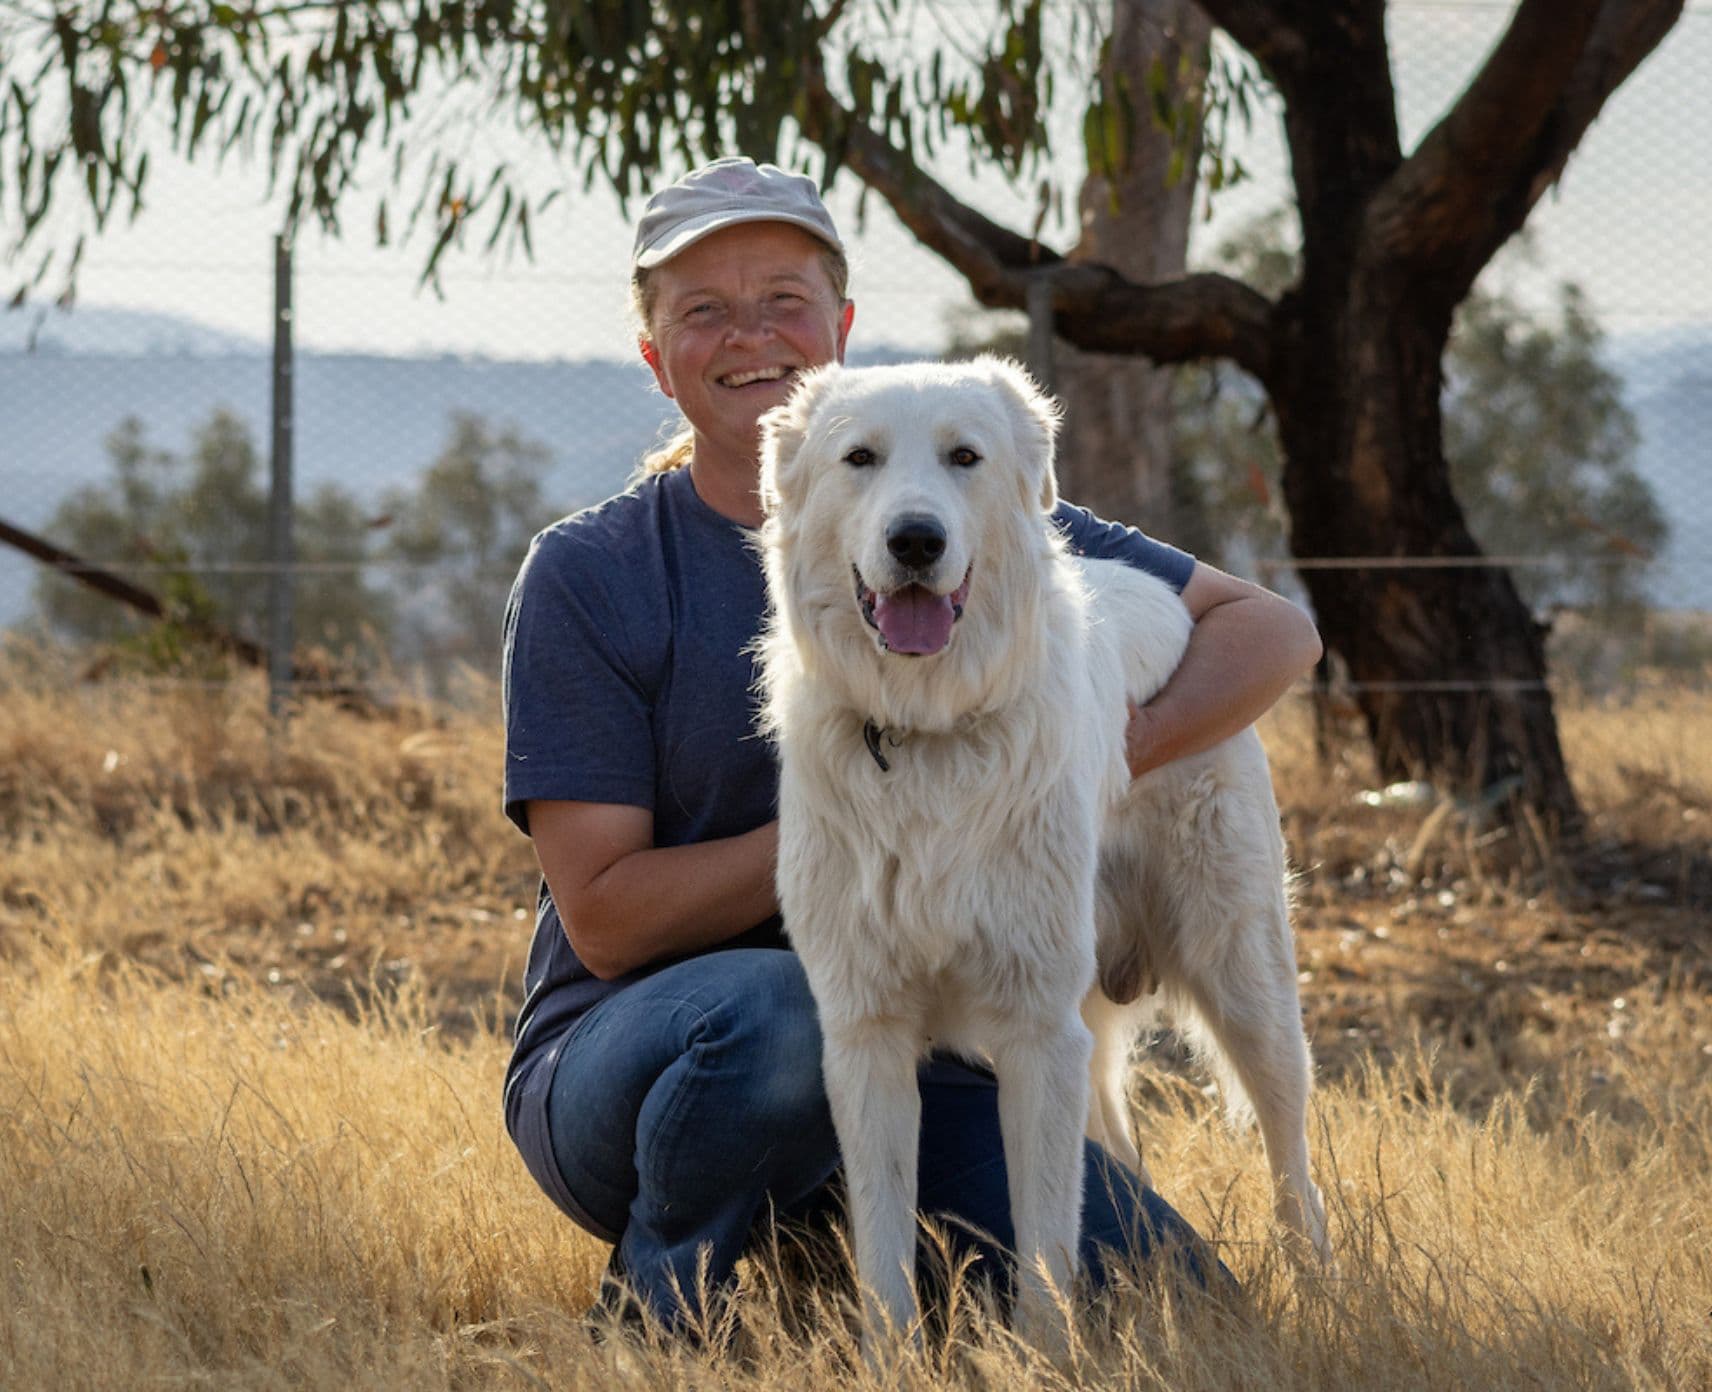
{"points": [[911, 620]]}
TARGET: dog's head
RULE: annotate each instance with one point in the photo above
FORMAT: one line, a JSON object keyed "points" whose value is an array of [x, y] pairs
{"points": [[893, 492]]}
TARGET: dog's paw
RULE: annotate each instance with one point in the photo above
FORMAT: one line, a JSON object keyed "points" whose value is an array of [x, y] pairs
{"points": [[1303, 1220]]}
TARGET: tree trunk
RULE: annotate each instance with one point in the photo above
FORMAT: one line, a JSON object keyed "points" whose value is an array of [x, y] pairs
{"points": [[1114, 453], [1447, 661]]}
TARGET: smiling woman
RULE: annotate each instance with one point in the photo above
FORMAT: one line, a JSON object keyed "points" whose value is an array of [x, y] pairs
{"points": [[666, 1089], [735, 317], [646, 286]]}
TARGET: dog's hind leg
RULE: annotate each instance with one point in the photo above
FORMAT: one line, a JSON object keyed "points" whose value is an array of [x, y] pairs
{"points": [[1043, 1109], [871, 1083], [1247, 1003], [1109, 1123]]}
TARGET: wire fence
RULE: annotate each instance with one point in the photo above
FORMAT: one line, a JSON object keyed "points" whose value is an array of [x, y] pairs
{"points": [[437, 428]]}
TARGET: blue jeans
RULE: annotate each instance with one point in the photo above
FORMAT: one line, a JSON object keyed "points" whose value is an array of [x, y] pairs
{"points": [[688, 1107]]}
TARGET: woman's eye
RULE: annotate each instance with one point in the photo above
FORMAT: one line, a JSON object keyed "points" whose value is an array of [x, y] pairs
{"points": [[861, 457], [964, 457]]}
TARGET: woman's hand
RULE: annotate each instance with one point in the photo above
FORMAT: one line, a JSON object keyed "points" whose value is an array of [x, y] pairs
{"points": [[1247, 648]]}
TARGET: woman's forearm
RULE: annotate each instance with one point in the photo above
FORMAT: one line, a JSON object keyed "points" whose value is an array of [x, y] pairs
{"points": [[672, 900], [645, 902]]}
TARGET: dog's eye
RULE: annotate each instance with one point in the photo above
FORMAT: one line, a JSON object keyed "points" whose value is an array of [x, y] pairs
{"points": [[861, 457], [964, 457]]}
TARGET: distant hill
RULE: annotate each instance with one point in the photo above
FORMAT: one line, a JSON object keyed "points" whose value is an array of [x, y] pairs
{"points": [[363, 422], [45, 330], [1675, 457], [367, 422]]}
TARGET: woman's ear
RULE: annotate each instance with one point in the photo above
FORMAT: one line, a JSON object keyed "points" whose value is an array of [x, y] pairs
{"points": [[651, 355], [1035, 417], [784, 431], [846, 317]]}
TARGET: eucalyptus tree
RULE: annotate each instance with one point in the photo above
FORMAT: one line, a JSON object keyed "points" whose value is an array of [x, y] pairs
{"points": [[1447, 658]]}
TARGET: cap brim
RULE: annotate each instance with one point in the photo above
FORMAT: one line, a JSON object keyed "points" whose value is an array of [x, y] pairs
{"points": [[708, 223]]}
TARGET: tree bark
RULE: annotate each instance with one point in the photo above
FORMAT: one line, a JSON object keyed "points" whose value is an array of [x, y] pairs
{"points": [[1114, 451], [1447, 662]]}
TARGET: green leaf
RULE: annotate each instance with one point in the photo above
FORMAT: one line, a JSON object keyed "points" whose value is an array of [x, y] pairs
{"points": [[500, 219]]}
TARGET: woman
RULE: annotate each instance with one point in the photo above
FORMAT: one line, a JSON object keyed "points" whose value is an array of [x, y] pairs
{"points": [[665, 1090]]}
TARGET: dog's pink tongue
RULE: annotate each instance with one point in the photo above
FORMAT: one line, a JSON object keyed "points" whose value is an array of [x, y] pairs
{"points": [[914, 620]]}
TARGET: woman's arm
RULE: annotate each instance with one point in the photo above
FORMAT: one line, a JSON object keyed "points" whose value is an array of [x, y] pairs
{"points": [[625, 902], [1247, 647]]}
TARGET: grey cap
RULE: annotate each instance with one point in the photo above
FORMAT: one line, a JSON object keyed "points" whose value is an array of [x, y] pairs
{"points": [[723, 194]]}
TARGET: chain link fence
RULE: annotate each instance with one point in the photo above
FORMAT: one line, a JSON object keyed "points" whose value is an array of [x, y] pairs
{"points": [[437, 427]]}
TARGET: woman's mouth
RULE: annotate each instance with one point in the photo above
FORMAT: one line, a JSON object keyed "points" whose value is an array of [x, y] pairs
{"points": [[750, 376]]}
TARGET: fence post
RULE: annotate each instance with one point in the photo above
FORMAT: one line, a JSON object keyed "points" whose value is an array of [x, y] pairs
{"points": [[1039, 303], [282, 551]]}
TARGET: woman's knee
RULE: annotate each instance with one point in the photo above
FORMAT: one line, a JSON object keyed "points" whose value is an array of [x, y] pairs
{"points": [[743, 1106], [770, 1033]]}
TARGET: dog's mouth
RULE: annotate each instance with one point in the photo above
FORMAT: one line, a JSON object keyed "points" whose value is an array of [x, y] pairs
{"points": [[912, 619]]}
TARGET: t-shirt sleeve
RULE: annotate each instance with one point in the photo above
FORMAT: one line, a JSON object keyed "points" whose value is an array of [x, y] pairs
{"points": [[577, 717], [1091, 536]]}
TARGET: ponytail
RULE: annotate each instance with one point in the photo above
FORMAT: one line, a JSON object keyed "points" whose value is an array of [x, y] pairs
{"points": [[674, 454]]}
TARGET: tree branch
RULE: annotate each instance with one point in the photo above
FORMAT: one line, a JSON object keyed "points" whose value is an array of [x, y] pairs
{"points": [[314, 674], [1623, 37], [1331, 64], [1094, 307], [1198, 316], [1269, 30], [1473, 179]]}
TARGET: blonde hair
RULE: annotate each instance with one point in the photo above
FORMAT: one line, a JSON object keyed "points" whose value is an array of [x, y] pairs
{"points": [[680, 448]]}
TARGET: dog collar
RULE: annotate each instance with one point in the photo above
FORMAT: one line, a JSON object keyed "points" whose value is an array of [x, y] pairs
{"points": [[872, 734]]}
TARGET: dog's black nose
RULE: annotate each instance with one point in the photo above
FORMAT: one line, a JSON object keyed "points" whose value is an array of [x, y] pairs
{"points": [[916, 541]]}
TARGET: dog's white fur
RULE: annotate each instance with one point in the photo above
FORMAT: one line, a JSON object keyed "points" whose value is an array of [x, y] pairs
{"points": [[962, 898]]}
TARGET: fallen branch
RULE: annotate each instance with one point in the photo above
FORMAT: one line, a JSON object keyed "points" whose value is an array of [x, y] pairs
{"points": [[146, 602]]}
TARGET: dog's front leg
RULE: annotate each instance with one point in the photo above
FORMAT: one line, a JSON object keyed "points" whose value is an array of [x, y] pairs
{"points": [[1043, 1106], [876, 1106]]}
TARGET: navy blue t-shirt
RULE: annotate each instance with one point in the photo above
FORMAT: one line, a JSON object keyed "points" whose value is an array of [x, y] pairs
{"points": [[629, 679]]}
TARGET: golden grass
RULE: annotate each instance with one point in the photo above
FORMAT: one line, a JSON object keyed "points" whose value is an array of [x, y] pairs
{"points": [[172, 825], [221, 1187], [250, 1057]]}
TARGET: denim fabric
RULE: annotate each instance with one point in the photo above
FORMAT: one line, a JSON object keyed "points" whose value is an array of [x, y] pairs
{"points": [[689, 1106]]}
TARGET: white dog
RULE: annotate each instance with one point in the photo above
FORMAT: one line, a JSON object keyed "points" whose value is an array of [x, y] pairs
{"points": [[960, 839]]}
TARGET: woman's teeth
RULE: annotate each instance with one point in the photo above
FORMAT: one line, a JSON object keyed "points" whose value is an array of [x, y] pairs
{"points": [[760, 374]]}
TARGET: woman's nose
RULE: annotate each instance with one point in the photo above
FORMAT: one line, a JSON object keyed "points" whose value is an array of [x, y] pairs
{"points": [[748, 321]]}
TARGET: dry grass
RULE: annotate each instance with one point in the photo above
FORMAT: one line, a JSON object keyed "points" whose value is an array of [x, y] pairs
{"points": [[250, 1056]]}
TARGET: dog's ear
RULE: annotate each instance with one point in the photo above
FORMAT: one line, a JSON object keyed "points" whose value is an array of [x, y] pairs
{"points": [[1034, 424], [783, 431]]}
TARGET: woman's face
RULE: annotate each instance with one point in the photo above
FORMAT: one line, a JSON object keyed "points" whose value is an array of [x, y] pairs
{"points": [[735, 317]]}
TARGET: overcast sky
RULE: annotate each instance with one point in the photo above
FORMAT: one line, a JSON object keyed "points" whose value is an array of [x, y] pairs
{"points": [[1630, 224]]}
